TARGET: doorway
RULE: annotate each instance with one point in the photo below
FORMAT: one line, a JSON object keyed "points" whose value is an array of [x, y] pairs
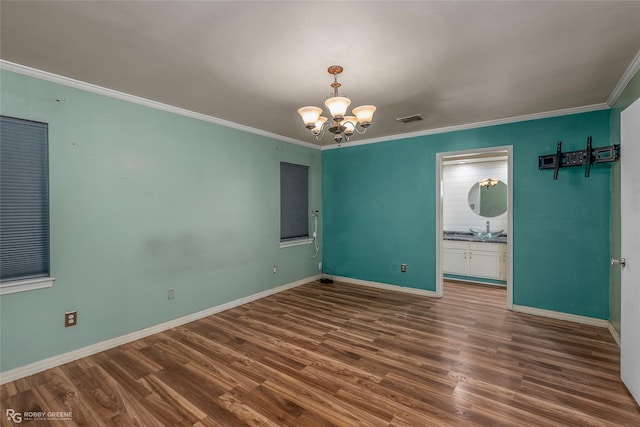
{"points": [[478, 236]]}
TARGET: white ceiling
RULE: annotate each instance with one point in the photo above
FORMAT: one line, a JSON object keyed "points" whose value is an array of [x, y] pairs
{"points": [[255, 63]]}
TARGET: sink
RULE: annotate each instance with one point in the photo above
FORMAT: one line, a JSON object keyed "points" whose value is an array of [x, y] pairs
{"points": [[484, 234]]}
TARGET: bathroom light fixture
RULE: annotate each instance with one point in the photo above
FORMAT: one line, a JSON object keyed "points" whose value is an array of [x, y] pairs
{"points": [[341, 125], [488, 182]]}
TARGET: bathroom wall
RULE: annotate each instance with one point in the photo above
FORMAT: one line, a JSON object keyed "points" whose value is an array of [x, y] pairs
{"points": [[457, 179]]}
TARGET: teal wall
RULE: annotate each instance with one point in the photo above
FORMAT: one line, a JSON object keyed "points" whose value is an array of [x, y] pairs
{"points": [[142, 201], [379, 212], [627, 97]]}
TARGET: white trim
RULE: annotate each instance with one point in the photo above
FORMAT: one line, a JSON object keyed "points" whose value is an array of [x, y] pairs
{"points": [[472, 160], [510, 229], [592, 321], [614, 334], [624, 80], [52, 362], [496, 122], [386, 286], [439, 227], [26, 285], [88, 87], [298, 242]]}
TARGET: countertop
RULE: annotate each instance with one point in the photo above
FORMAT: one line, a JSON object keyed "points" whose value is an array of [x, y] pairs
{"points": [[467, 236]]}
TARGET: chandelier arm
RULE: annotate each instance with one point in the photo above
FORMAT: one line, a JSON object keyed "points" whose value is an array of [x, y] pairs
{"points": [[358, 131]]}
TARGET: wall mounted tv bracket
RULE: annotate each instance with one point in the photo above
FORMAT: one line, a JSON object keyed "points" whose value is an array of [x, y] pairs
{"points": [[587, 157]]}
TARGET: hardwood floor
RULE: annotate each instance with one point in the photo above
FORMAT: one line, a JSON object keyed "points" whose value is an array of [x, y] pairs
{"points": [[346, 355]]}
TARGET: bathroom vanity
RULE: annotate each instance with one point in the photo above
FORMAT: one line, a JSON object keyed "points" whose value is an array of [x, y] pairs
{"points": [[464, 254]]}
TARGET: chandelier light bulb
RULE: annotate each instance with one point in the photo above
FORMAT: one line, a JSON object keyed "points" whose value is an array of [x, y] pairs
{"points": [[364, 114], [349, 122], [310, 116], [337, 106], [319, 123]]}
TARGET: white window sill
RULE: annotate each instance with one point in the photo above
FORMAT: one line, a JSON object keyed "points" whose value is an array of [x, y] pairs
{"points": [[26, 285], [297, 242]]}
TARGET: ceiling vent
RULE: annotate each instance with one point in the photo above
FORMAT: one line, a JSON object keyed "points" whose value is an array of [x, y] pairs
{"points": [[410, 119]]}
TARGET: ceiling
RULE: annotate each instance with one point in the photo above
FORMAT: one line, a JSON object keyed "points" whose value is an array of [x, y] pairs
{"points": [[256, 63]]}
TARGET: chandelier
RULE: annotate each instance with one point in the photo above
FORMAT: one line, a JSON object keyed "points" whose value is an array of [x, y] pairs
{"points": [[341, 125]]}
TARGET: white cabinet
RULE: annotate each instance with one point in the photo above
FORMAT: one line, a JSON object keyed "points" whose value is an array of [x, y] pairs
{"points": [[476, 259], [454, 258]]}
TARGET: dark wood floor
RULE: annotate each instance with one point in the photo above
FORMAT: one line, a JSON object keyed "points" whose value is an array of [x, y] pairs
{"points": [[346, 355]]}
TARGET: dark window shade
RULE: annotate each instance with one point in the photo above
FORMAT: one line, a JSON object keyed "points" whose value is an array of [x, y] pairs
{"points": [[294, 201], [24, 199]]}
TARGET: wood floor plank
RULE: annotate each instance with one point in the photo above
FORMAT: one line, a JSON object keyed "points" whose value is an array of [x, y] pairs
{"points": [[346, 355], [164, 395], [273, 405]]}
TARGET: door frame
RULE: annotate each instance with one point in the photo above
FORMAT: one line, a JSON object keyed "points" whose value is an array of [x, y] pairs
{"points": [[439, 221]]}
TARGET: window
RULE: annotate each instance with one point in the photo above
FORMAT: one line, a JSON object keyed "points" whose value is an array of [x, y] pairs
{"points": [[294, 202], [24, 205]]}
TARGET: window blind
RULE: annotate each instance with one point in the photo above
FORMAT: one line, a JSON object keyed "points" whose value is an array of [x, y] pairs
{"points": [[294, 201], [24, 199]]}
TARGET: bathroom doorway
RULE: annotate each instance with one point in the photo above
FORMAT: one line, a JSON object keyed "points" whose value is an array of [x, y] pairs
{"points": [[474, 219]]}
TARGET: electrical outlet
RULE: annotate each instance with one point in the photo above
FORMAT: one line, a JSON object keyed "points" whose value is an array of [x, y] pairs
{"points": [[70, 318], [403, 268], [275, 269], [320, 266], [171, 293]]}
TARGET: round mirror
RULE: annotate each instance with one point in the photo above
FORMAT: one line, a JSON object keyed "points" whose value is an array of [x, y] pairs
{"points": [[488, 197]]}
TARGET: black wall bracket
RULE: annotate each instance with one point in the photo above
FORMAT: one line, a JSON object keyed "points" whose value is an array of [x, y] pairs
{"points": [[587, 157]]}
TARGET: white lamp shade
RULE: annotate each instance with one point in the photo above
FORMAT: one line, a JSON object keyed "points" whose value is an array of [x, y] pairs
{"points": [[349, 122], [337, 105], [364, 113], [309, 115], [318, 127]]}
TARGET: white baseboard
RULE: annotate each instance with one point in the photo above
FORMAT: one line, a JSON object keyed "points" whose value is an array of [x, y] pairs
{"points": [[519, 308], [386, 286], [561, 316], [614, 334], [52, 362]]}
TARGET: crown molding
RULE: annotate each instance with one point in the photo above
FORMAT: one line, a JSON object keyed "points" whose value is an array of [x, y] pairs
{"points": [[631, 71], [88, 87], [467, 126]]}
